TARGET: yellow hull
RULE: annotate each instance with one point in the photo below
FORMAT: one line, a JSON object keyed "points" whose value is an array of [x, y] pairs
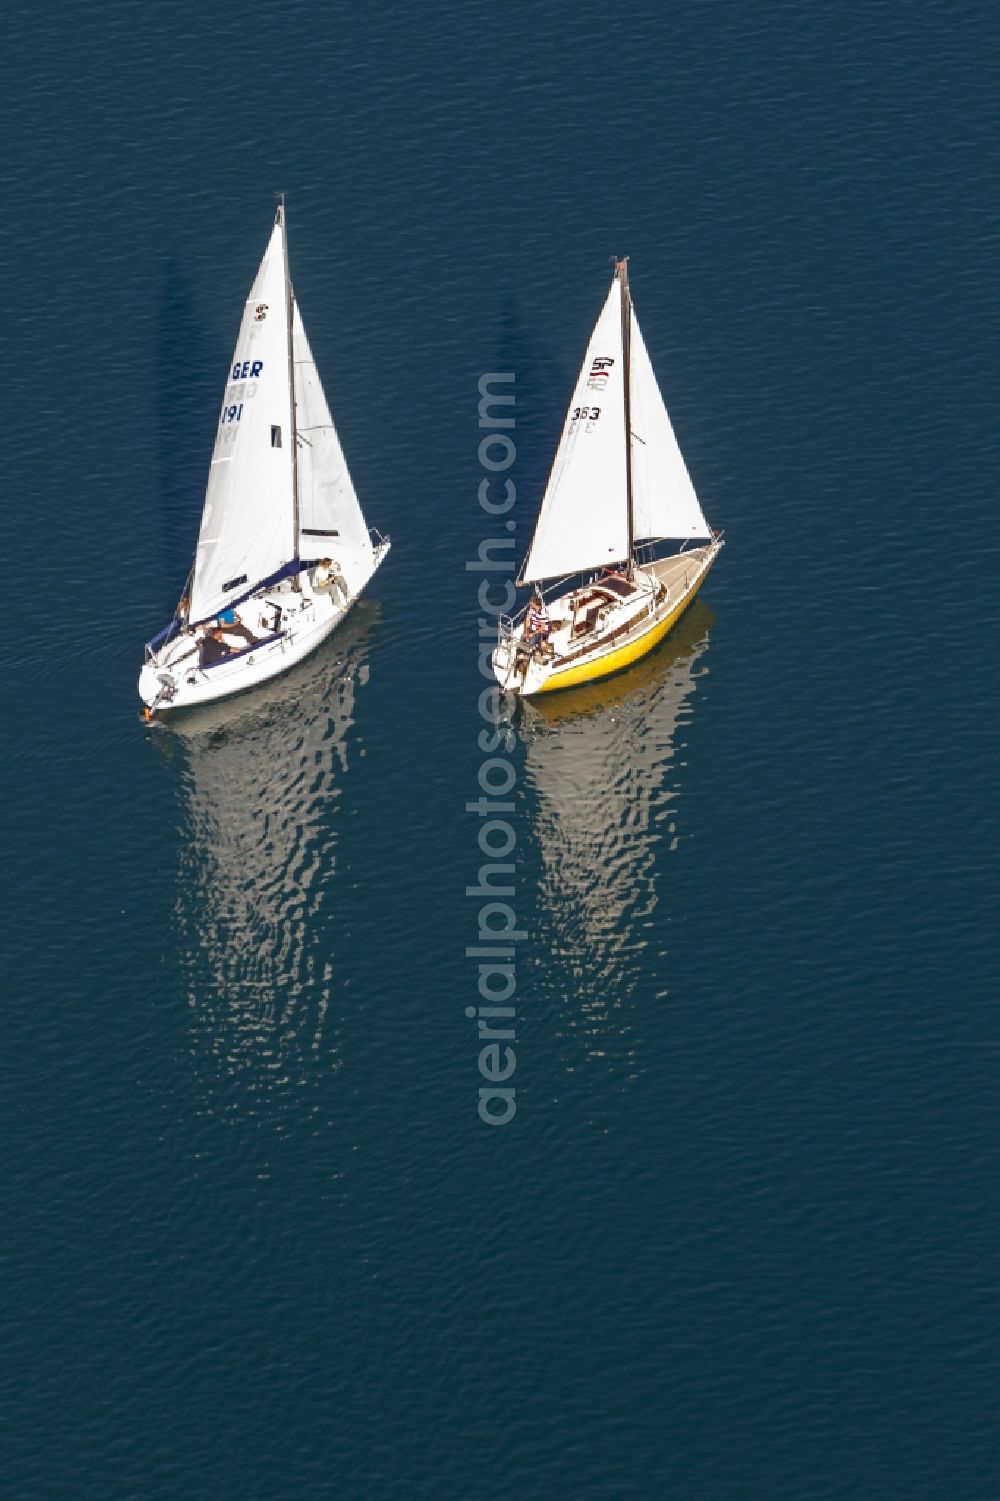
{"points": [[622, 656]]}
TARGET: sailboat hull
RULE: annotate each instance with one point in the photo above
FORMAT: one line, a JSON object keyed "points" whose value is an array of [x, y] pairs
{"points": [[279, 497], [620, 631], [617, 659], [174, 678]]}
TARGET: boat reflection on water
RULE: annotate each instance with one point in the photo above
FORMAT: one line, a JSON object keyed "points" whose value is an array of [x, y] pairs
{"points": [[603, 763], [261, 786]]}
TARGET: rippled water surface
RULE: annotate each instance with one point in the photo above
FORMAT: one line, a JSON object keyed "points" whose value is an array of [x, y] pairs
{"points": [[739, 1240]]}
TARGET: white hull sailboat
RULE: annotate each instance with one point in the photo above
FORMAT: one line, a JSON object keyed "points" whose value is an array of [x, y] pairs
{"points": [[618, 490], [284, 550]]}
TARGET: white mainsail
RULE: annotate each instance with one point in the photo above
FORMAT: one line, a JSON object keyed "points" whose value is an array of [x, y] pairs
{"points": [[247, 529], [330, 516], [583, 521], [664, 503]]}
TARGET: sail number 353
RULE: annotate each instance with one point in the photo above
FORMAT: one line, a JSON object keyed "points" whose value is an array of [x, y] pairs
{"points": [[589, 415]]}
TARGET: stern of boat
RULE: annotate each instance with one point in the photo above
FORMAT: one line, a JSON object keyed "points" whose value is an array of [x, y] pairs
{"points": [[506, 664], [517, 668], [149, 685]]}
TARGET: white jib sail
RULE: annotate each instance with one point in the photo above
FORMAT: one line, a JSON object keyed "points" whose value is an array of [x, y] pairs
{"points": [[583, 520], [664, 503], [248, 523], [331, 523]]}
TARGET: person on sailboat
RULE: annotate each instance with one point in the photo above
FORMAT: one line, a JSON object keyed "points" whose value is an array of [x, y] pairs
{"points": [[237, 628], [328, 577], [537, 622], [214, 647]]}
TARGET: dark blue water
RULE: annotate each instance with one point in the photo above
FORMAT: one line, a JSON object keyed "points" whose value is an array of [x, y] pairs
{"points": [[740, 1238]]}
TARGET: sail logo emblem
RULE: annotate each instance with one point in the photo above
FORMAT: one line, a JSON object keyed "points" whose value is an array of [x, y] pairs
{"points": [[599, 372], [260, 312]]}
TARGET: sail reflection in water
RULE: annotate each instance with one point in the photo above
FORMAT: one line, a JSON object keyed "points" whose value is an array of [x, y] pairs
{"points": [[261, 786], [602, 763]]}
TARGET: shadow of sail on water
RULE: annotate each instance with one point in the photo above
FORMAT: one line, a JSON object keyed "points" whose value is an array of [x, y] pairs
{"points": [[603, 768], [261, 790]]}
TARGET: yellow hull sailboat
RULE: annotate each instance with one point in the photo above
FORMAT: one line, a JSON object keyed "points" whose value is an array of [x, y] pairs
{"points": [[618, 487]]}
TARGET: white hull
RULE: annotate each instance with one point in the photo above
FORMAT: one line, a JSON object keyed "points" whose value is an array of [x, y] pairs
{"points": [[172, 678]]}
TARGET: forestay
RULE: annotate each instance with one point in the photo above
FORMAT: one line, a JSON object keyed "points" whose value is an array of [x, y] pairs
{"points": [[330, 517], [664, 502], [583, 521], [247, 529]]}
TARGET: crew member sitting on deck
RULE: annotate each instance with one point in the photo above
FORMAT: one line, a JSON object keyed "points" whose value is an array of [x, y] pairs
{"points": [[214, 647], [328, 578], [237, 628], [537, 622]]}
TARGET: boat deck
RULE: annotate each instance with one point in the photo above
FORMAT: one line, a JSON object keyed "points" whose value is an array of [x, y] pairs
{"points": [[582, 613], [676, 572]]}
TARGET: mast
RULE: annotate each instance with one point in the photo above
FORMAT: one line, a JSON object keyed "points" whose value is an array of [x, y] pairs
{"points": [[621, 270], [291, 379]]}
